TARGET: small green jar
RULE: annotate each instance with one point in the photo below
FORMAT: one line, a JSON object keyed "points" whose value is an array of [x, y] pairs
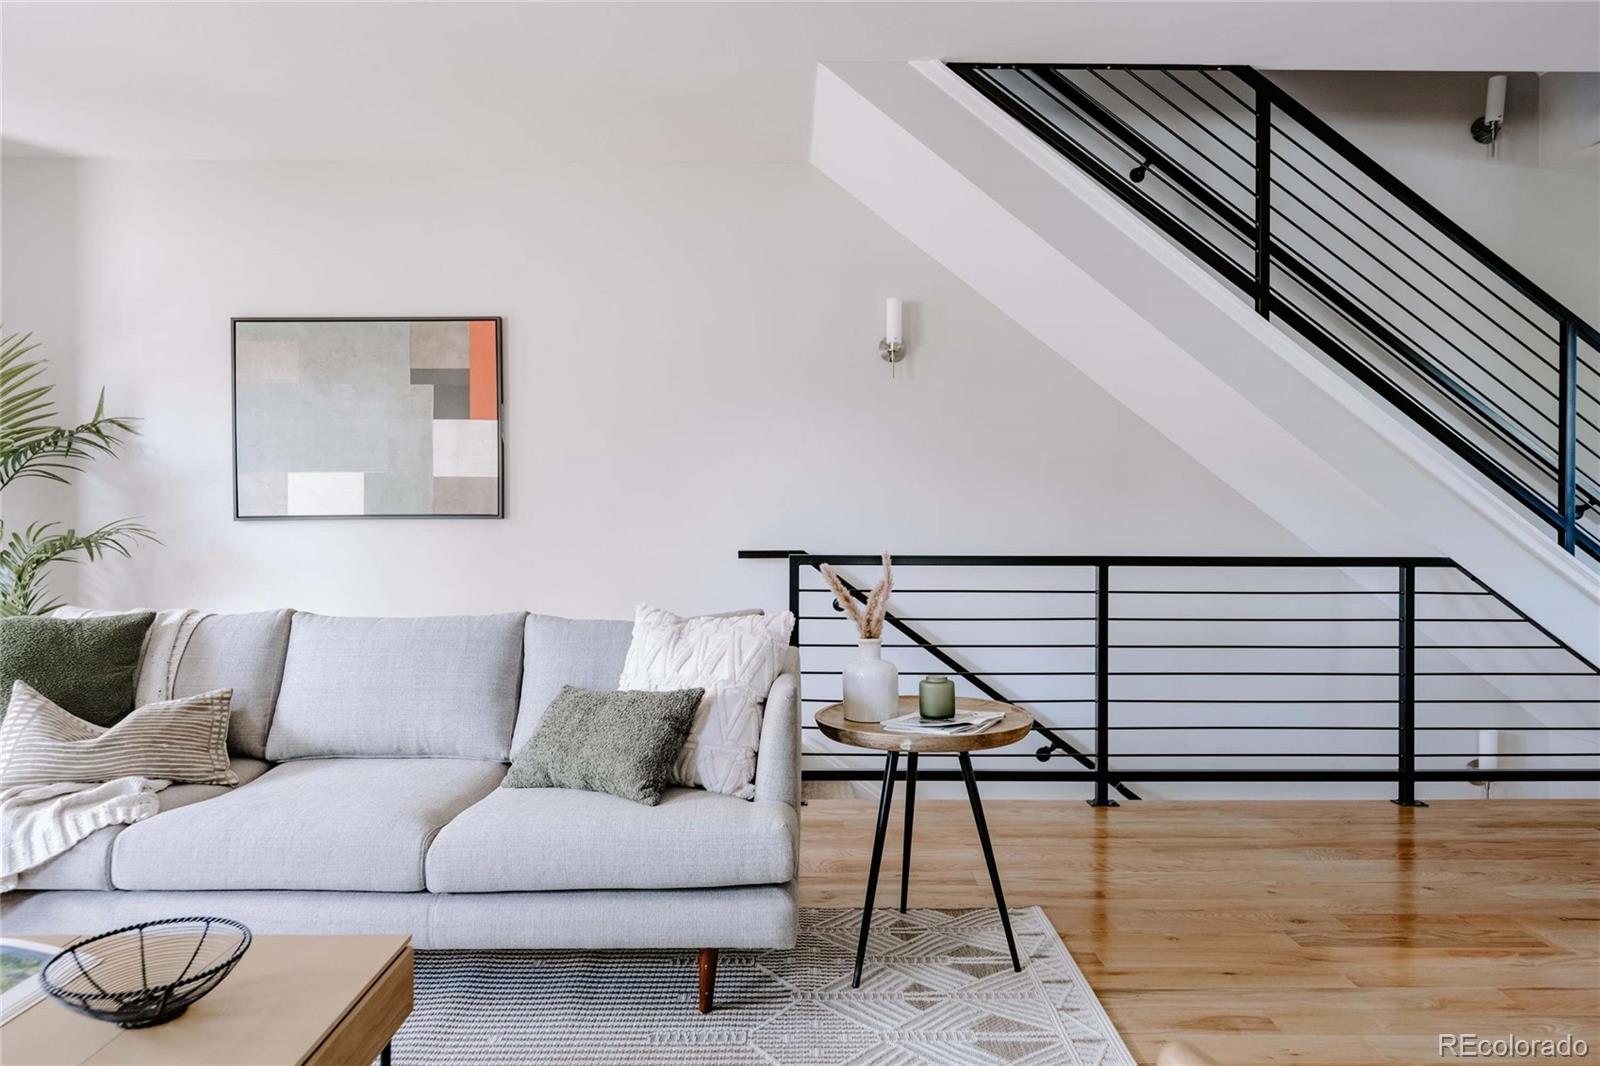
{"points": [[936, 697]]}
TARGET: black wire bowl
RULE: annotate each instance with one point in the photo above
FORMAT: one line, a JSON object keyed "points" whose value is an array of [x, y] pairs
{"points": [[145, 974]]}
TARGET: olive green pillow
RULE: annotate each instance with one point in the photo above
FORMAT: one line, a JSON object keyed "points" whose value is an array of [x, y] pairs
{"points": [[85, 666], [621, 743]]}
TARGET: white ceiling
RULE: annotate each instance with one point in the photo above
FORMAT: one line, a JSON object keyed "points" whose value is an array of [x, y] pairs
{"points": [[568, 82]]}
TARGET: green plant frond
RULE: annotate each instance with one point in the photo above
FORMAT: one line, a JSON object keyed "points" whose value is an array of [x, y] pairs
{"points": [[62, 449], [25, 554], [14, 346], [31, 445]]}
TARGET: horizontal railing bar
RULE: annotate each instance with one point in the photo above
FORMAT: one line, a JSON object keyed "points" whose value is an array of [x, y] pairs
{"points": [[1180, 592], [1226, 618], [1259, 592], [1156, 618], [990, 592], [1015, 702], [1235, 647], [1493, 647], [931, 644], [1210, 727], [1503, 673], [1292, 700], [1159, 562], [1255, 673], [1324, 754], [1468, 620], [1226, 776], [1229, 755], [978, 673], [958, 618], [1269, 647], [1330, 728]]}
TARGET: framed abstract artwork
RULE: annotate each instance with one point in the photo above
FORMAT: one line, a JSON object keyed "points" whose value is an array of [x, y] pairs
{"points": [[367, 417]]}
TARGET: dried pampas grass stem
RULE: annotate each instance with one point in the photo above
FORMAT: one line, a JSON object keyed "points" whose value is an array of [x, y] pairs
{"points": [[869, 619]]}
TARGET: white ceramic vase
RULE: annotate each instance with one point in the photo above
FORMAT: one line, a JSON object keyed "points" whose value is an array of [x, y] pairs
{"points": [[871, 685]]}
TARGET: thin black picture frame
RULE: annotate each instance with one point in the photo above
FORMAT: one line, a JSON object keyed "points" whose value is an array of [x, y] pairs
{"points": [[500, 411]]}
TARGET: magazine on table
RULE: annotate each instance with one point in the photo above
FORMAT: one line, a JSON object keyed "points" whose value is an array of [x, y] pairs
{"points": [[20, 963], [960, 725]]}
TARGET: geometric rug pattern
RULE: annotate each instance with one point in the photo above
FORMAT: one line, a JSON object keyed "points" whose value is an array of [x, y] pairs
{"points": [[938, 989]]}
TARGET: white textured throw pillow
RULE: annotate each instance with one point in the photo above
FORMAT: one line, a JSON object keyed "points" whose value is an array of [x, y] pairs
{"points": [[735, 659]]}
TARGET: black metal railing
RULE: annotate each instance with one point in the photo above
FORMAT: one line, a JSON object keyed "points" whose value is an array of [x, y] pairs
{"points": [[1217, 669], [1324, 240]]}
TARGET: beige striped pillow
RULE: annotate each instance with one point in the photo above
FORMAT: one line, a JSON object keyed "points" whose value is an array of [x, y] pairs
{"points": [[179, 740]]}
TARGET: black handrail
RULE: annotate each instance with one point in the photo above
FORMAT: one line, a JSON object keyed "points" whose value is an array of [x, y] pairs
{"points": [[1418, 686], [1572, 490]]}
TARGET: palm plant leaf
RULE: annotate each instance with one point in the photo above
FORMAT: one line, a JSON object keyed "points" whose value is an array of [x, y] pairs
{"points": [[31, 445], [24, 555]]}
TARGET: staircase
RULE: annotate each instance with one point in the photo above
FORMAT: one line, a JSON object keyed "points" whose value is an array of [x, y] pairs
{"points": [[1243, 278], [1322, 239]]}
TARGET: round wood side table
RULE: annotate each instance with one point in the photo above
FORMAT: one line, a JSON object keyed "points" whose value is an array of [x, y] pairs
{"points": [[1014, 726]]}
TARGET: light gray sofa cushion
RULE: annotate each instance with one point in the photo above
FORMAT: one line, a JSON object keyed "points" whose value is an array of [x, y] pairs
{"points": [[243, 652], [403, 687], [585, 652], [88, 863], [546, 839], [356, 824]]}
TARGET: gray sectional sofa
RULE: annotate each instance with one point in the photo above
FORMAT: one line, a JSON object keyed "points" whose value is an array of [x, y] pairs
{"points": [[370, 753]]}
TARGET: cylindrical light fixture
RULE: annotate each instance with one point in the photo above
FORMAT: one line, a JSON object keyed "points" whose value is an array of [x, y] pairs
{"points": [[1488, 749], [892, 348], [1486, 130]]}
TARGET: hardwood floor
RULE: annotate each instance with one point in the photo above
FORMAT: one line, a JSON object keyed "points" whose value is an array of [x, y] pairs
{"points": [[1320, 932]]}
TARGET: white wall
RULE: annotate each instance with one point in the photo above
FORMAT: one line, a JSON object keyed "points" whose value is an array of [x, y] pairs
{"points": [[690, 370]]}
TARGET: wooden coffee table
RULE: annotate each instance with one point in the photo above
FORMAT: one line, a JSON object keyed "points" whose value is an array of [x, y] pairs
{"points": [[322, 1000], [1011, 728]]}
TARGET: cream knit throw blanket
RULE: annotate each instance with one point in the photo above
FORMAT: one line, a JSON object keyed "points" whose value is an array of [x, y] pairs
{"points": [[39, 822]]}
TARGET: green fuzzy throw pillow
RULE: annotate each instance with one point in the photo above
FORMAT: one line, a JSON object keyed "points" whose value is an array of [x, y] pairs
{"points": [[85, 666], [621, 743]]}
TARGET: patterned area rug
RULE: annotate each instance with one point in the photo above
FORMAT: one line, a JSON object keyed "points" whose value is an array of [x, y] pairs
{"points": [[938, 988]]}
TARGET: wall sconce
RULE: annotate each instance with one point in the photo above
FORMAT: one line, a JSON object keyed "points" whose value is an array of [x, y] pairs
{"points": [[1486, 130], [1488, 757], [892, 348]]}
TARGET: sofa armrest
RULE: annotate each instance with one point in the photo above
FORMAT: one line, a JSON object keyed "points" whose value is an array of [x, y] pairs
{"points": [[778, 758]]}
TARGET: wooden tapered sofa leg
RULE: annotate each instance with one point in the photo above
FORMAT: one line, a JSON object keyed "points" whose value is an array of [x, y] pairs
{"points": [[708, 978]]}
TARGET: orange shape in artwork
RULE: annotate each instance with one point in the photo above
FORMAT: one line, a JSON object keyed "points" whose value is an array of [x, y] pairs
{"points": [[483, 392]]}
